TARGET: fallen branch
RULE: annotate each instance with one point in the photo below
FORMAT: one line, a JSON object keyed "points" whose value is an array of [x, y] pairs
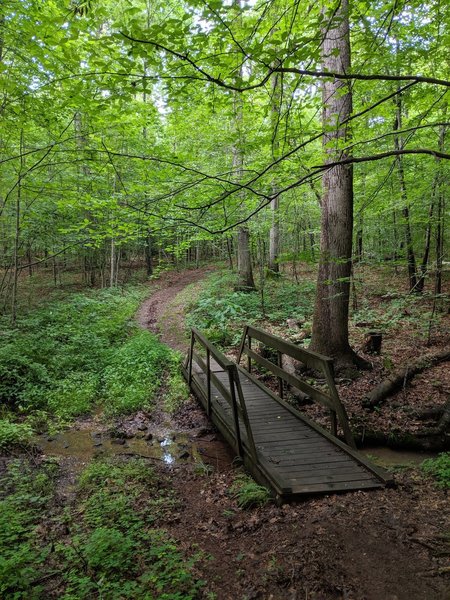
{"points": [[400, 379]]}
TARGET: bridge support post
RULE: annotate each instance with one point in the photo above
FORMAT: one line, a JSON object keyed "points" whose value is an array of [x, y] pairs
{"points": [[235, 412]]}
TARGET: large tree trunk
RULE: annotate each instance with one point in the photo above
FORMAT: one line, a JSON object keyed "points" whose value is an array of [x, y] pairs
{"points": [[330, 324]]}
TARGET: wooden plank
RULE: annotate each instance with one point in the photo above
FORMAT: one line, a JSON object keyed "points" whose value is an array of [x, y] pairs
{"points": [[314, 393], [313, 360], [306, 459], [320, 488], [324, 470], [327, 479]]}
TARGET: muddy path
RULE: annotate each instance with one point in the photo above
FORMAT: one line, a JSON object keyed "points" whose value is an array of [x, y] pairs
{"points": [[163, 313]]}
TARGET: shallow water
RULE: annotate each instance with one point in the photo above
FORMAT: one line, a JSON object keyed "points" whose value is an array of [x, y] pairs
{"points": [[395, 458], [169, 448]]}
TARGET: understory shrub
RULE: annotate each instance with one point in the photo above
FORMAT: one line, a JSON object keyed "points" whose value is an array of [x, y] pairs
{"points": [[12, 434], [136, 371], [221, 312], [105, 544]]}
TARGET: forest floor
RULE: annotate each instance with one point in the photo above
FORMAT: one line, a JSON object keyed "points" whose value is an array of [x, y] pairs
{"points": [[390, 544]]}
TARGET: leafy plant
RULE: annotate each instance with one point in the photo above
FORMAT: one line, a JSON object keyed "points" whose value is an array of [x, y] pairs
{"points": [[439, 468], [248, 493], [26, 495], [221, 312], [14, 433]]}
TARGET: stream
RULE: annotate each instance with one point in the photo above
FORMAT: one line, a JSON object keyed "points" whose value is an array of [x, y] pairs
{"points": [[171, 447]]}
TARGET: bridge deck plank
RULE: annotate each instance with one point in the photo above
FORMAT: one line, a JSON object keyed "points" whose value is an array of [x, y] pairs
{"points": [[293, 456]]}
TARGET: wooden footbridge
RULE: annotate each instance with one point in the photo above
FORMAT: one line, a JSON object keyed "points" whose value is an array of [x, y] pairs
{"points": [[282, 448]]}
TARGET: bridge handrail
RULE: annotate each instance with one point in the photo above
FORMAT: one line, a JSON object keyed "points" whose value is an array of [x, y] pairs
{"points": [[312, 360], [234, 397]]}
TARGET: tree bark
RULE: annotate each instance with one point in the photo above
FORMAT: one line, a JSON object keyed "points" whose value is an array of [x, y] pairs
{"points": [[424, 264], [245, 282], [148, 255], [330, 322], [274, 235], [440, 220], [244, 263], [410, 256]]}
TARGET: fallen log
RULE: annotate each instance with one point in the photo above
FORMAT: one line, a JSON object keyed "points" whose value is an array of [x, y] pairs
{"points": [[399, 379]]}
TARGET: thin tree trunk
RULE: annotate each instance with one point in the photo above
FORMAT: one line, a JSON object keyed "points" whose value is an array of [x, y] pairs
{"points": [[230, 252], [148, 255], [274, 235], [112, 264], [244, 266], [410, 256], [17, 235], [424, 264], [440, 219]]}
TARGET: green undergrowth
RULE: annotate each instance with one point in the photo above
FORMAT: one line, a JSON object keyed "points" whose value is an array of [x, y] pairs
{"points": [[439, 468], [221, 312], [414, 311], [108, 543], [79, 353], [247, 493]]}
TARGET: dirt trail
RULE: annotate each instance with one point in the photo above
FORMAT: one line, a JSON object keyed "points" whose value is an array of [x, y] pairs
{"points": [[161, 314]]}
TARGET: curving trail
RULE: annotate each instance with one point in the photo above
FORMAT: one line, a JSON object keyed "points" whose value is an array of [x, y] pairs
{"points": [[162, 314]]}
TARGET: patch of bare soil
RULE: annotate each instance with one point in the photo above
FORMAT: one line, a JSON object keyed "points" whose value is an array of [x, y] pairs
{"points": [[390, 544]]}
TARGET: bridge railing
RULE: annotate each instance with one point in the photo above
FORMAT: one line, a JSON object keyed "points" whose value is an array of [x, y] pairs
{"points": [[312, 360], [233, 395]]}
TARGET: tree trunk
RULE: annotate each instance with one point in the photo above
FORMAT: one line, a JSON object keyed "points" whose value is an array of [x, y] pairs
{"points": [[148, 255], [424, 264], [274, 236], [399, 379], [244, 262], [245, 282], [410, 256], [17, 232], [330, 323], [440, 219]]}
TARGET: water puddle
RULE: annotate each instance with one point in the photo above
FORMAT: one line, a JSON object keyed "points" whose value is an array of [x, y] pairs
{"points": [[169, 447], [396, 458]]}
